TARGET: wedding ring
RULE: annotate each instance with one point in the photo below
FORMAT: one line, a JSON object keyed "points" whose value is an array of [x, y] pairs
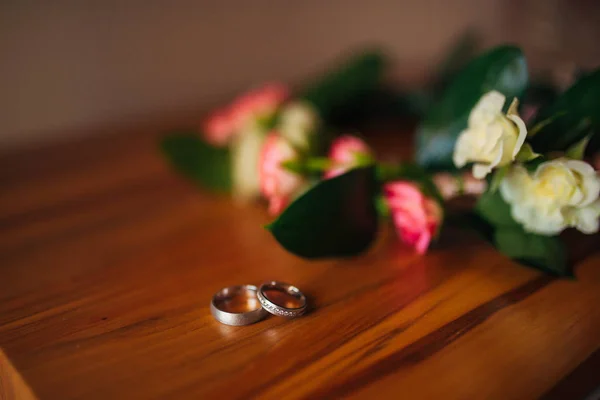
{"points": [[282, 299], [237, 305]]}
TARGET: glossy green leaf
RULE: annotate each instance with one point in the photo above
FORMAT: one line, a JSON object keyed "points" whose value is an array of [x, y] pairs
{"points": [[346, 85], [571, 117], [503, 69], [335, 218], [198, 161], [546, 253], [543, 252], [493, 209]]}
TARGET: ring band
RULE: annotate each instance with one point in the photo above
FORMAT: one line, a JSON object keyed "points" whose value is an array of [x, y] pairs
{"points": [[237, 305], [294, 306]]}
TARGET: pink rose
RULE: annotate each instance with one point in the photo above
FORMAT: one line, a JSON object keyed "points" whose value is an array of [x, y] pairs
{"points": [[224, 123], [345, 153], [416, 217], [450, 186], [277, 184]]}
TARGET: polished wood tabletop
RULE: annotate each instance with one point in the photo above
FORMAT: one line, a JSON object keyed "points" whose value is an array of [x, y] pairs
{"points": [[108, 262]]}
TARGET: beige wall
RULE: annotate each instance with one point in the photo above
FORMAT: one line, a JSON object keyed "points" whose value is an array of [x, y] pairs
{"points": [[72, 64], [80, 63]]}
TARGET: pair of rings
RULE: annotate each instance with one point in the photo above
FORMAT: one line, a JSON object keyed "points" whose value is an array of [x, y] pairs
{"points": [[247, 304]]}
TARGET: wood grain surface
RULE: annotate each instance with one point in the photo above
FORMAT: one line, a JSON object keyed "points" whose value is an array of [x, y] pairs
{"points": [[108, 262], [12, 386]]}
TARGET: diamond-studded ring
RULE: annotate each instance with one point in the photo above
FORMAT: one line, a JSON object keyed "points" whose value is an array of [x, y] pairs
{"points": [[282, 299]]}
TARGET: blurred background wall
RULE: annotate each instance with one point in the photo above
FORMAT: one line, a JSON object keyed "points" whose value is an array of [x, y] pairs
{"points": [[72, 65]]}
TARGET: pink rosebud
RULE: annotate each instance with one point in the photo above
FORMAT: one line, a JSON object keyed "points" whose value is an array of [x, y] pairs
{"points": [[416, 217], [447, 185], [218, 128], [223, 124], [261, 101], [277, 184], [473, 186], [345, 153], [451, 186]]}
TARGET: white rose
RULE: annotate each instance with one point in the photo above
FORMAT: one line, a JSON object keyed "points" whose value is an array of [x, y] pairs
{"points": [[297, 123], [245, 153], [491, 139], [561, 193]]}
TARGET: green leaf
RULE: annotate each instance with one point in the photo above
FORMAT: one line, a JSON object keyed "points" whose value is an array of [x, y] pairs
{"points": [[268, 121], [494, 221], [577, 150], [543, 252], [458, 56], [526, 154], [413, 103], [539, 125], [546, 253], [318, 164], [347, 84], [492, 208], [308, 166], [202, 163], [383, 209], [571, 117], [503, 69], [540, 92], [295, 166], [337, 217]]}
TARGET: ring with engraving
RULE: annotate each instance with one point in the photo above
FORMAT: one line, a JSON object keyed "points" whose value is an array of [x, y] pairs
{"points": [[282, 299], [237, 305]]}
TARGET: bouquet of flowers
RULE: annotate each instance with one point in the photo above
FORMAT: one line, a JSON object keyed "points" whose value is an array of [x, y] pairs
{"points": [[269, 123], [330, 193]]}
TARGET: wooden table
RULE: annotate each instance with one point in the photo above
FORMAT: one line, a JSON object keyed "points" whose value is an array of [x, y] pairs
{"points": [[108, 262]]}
